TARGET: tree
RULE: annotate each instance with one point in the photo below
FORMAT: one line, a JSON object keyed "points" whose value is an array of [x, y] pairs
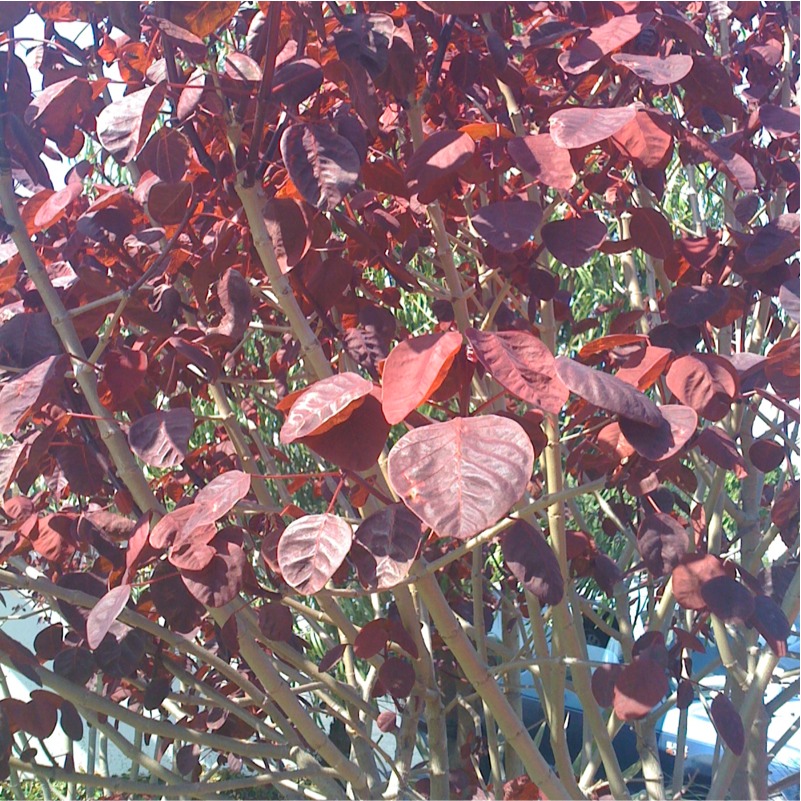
{"points": [[366, 351]]}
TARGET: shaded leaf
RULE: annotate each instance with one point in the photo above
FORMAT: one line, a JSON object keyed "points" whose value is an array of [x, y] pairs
{"points": [[651, 232], [693, 305], [161, 439], [311, 549], [543, 160], [662, 542], [573, 241], [436, 161], [385, 546], [603, 683], [76, 665], [721, 449], [608, 392], [331, 657], [461, 476], [522, 364], [71, 723], [234, 294], [396, 676], [771, 622], [296, 80], [28, 392], [662, 443], [772, 243], [288, 229], [705, 382], [639, 687], [691, 574], [728, 599], [323, 165], [413, 371], [766, 455], [222, 580], [532, 562], [26, 339], [727, 721], [507, 225]]}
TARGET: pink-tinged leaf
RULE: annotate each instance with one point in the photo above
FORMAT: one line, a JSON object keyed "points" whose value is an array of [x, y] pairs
{"points": [[323, 165], [356, 442], [55, 109], [575, 240], [580, 127], [766, 455], [692, 305], [522, 364], [188, 555], [771, 622], [461, 476], [436, 162], [413, 371], [706, 382], [218, 497], [603, 684], [779, 121], [386, 721], [532, 562], [104, 613], [324, 404], [123, 126], [224, 576], [396, 676], [651, 232], [543, 160], [237, 305], [240, 68], [294, 81], [385, 546], [25, 394], [728, 723], [721, 449], [507, 225], [311, 549], [728, 599], [161, 439], [662, 542], [601, 41], [788, 298], [647, 140], [772, 243], [289, 231], [691, 574], [662, 443], [658, 70], [640, 686], [608, 392]]}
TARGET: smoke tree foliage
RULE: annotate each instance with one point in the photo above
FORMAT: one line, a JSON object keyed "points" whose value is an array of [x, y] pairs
{"points": [[363, 351]]}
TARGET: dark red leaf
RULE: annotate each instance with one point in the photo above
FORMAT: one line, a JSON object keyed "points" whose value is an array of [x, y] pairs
{"points": [[705, 382], [28, 392], [413, 371], [81, 467], [685, 694], [651, 232], [576, 127], [522, 364], [48, 642], [691, 574], [42, 713], [728, 599], [773, 243], [662, 543], [659, 444], [727, 721], [766, 455], [124, 372], [275, 621], [771, 622], [575, 240], [331, 657], [436, 161], [161, 439], [461, 476], [532, 562], [71, 723], [296, 80], [693, 305], [603, 683], [721, 449], [396, 675], [222, 580], [543, 160], [507, 225], [788, 298], [372, 639], [167, 203], [234, 294], [779, 121], [323, 165], [385, 547], [639, 688], [76, 665], [166, 154], [27, 339], [607, 392], [289, 231], [311, 549]]}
